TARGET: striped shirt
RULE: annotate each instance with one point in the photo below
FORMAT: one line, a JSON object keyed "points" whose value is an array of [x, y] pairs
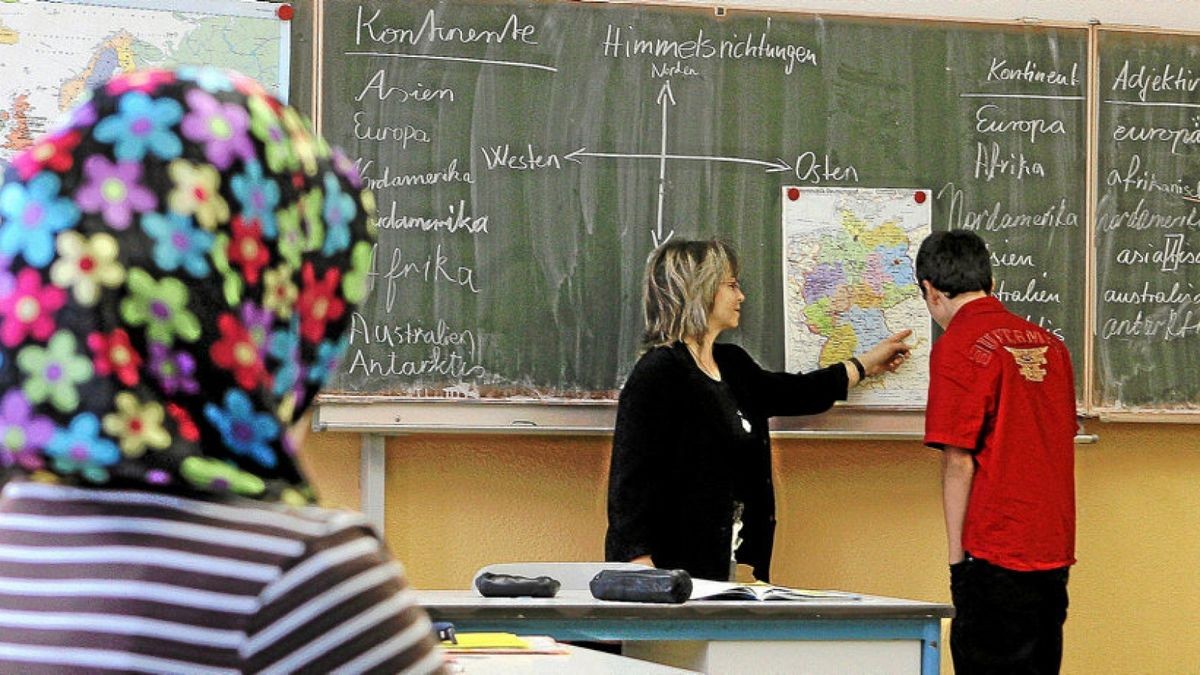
{"points": [[107, 580]]}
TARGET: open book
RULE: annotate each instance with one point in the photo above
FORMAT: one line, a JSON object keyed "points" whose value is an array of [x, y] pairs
{"points": [[705, 589]]}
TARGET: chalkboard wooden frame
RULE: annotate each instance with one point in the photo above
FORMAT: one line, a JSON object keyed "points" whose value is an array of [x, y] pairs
{"points": [[372, 413]]}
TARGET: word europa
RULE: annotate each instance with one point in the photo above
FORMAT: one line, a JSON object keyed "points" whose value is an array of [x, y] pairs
{"points": [[1143, 81], [986, 123], [399, 133], [616, 45], [431, 33], [1031, 73]]}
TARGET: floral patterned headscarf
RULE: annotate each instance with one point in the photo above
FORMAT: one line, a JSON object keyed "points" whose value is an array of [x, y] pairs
{"points": [[177, 265]]}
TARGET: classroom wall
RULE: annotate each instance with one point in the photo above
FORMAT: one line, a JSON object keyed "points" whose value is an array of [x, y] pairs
{"points": [[861, 515]]}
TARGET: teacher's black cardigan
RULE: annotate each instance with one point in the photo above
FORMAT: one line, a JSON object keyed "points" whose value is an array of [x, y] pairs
{"points": [[682, 456]]}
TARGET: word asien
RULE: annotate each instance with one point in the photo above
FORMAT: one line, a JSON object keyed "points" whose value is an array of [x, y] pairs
{"points": [[378, 89]]}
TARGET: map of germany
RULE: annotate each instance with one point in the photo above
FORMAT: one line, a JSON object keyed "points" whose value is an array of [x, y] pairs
{"points": [[849, 282]]}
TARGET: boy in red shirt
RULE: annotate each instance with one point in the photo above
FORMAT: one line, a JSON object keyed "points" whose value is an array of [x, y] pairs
{"points": [[1002, 410]]}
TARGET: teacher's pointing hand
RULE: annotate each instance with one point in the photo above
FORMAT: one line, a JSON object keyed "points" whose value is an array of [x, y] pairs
{"points": [[888, 355]]}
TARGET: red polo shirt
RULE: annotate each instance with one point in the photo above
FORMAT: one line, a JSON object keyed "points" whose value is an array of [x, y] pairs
{"points": [[1003, 388]]}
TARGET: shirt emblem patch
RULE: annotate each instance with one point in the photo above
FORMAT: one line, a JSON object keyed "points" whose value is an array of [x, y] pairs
{"points": [[1031, 361]]}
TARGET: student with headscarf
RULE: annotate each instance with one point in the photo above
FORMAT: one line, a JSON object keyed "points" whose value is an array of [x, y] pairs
{"points": [[177, 265]]}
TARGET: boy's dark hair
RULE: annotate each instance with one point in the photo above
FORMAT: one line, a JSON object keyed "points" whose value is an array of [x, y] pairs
{"points": [[955, 261]]}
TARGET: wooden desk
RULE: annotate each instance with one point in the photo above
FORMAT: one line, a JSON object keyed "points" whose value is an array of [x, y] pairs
{"points": [[824, 635]]}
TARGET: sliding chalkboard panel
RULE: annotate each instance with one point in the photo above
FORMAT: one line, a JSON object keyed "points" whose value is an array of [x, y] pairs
{"points": [[527, 156], [1147, 342]]}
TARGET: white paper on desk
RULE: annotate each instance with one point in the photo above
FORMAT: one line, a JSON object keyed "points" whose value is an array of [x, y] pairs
{"points": [[707, 589]]}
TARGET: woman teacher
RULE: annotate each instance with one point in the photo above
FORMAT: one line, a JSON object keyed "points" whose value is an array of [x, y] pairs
{"points": [[690, 480]]}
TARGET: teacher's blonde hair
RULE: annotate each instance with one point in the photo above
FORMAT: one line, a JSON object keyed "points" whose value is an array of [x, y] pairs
{"points": [[682, 278]]}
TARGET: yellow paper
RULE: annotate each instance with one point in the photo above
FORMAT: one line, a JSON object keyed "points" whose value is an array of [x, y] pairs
{"points": [[487, 641]]}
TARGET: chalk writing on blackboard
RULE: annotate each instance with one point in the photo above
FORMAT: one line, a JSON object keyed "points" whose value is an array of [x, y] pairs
{"points": [[1148, 256], [526, 157]]}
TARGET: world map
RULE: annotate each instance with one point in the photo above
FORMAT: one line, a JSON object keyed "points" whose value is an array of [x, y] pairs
{"points": [[51, 54], [849, 282]]}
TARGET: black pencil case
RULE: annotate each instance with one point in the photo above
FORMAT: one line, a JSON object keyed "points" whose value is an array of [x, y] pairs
{"points": [[651, 585], [492, 585]]}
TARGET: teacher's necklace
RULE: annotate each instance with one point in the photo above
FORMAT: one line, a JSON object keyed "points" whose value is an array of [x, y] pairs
{"points": [[710, 368]]}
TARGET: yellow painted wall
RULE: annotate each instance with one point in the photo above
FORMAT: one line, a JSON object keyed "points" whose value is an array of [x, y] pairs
{"points": [[857, 515]]}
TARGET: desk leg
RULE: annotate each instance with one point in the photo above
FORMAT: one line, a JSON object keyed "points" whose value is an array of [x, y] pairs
{"points": [[931, 640], [372, 479]]}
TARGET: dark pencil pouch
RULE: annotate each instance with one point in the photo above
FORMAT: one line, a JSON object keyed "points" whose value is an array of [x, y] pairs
{"points": [[651, 585], [513, 586]]}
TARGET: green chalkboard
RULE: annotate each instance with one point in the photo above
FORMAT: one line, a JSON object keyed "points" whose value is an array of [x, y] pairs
{"points": [[527, 156], [1147, 338]]}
